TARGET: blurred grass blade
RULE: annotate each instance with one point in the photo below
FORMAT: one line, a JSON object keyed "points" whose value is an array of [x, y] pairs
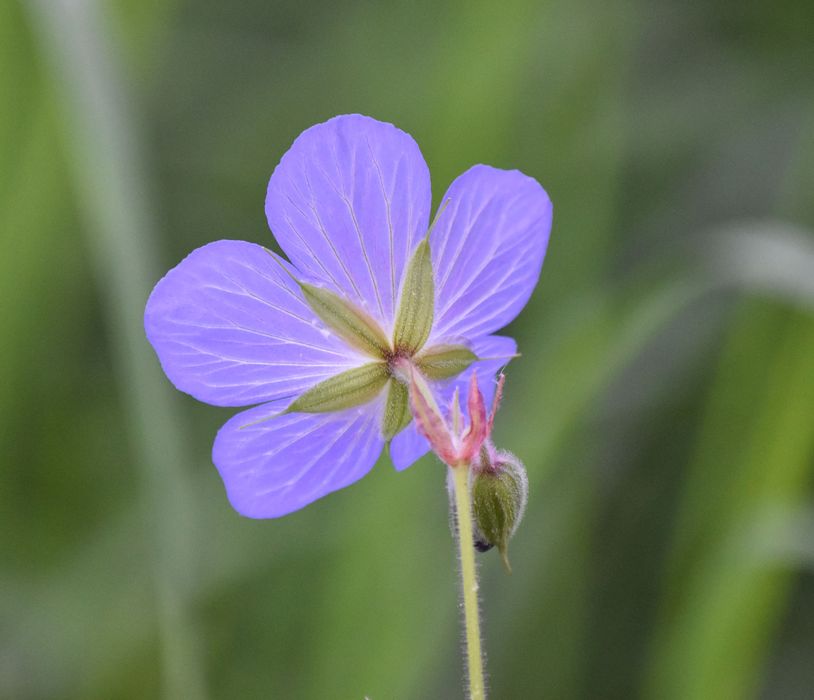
{"points": [[770, 256], [106, 160], [725, 590]]}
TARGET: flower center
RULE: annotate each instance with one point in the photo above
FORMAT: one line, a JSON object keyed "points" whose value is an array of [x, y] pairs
{"points": [[399, 362]]}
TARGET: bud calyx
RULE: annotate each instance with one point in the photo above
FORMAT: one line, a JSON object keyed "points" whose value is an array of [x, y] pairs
{"points": [[499, 488]]}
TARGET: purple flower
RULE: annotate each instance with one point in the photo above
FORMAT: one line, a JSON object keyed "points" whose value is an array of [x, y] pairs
{"points": [[317, 341]]}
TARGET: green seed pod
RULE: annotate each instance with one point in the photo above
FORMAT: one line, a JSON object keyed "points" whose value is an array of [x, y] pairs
{"points": [[499, 496]]}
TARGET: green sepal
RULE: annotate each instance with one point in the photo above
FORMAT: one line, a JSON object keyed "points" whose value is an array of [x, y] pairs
{"points": [[445, 361], [349, 322], [352, 388], [397, 414], [417, 303]]}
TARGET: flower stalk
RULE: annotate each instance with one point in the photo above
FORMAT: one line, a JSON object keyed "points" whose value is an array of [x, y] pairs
{"points": [[469, 582], [488, 492], [457, 446]]}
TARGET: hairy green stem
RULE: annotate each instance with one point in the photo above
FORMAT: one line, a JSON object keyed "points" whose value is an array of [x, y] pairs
{"points": [[469, 583]]}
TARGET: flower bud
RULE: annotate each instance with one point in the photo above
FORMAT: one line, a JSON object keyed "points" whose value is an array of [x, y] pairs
{"points": [[499, 496]]}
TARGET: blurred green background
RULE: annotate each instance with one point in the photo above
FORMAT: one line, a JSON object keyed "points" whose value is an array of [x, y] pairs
{"points": [[664, 403]]}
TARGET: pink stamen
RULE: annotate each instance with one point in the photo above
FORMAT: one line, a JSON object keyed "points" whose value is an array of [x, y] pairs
{"points": [[478, 425], [454, 445], [429, 421], [501, 380]]}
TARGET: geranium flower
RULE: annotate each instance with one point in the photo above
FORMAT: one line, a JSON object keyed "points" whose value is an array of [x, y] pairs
{"points": [[317, 341]]}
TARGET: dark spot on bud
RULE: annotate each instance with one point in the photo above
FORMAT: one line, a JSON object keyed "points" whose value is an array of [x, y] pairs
{"points": [[482, 545]]}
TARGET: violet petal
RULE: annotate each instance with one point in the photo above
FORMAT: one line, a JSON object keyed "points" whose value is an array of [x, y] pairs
{"points": [[276, 466], [231, 328], [348, 203], [488, 247]]}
